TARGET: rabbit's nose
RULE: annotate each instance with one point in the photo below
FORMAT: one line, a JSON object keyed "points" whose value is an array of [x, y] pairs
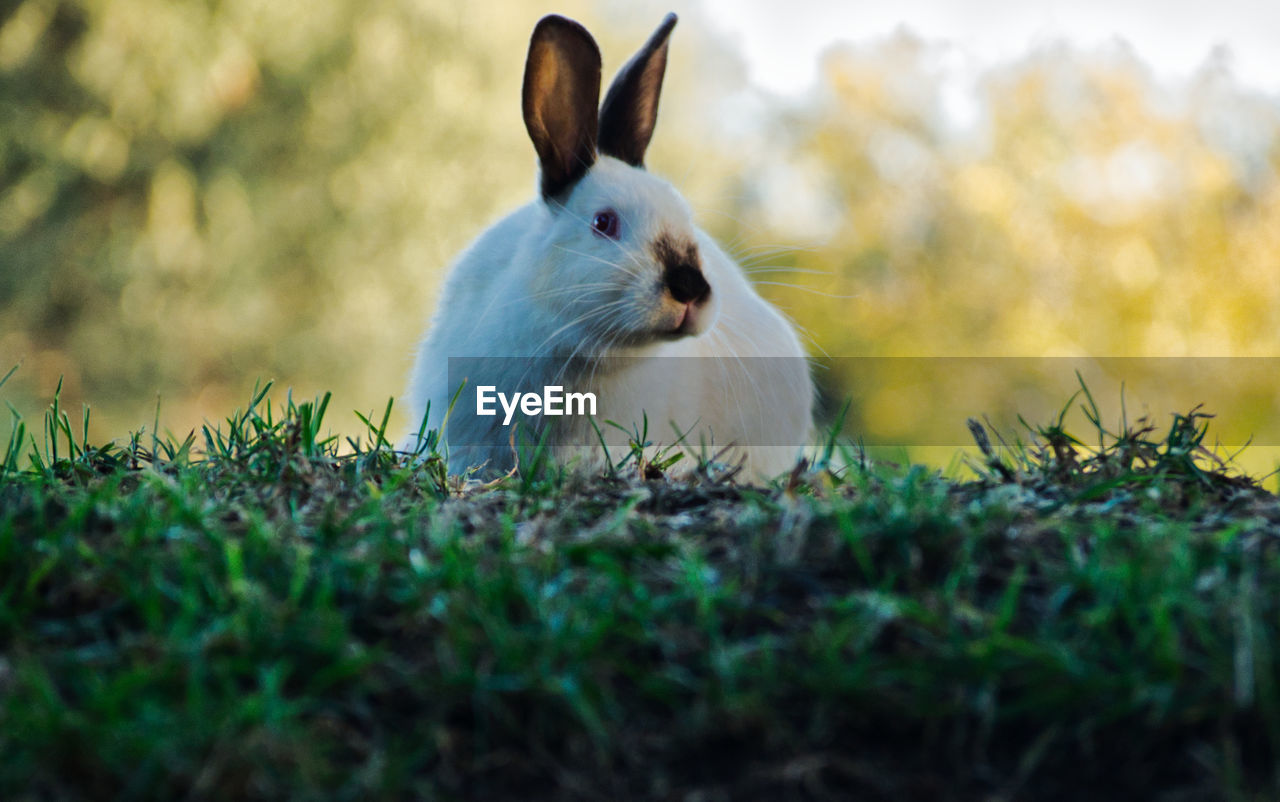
{"points": [[686, 284]]}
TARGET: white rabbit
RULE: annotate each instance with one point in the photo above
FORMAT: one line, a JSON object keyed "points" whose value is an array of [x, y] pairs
{"points": [[603, 284]]}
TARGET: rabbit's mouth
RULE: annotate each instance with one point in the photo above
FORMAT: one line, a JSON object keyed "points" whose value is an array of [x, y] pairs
{"points": [[688, 322], [688, 319], [683, 322]]}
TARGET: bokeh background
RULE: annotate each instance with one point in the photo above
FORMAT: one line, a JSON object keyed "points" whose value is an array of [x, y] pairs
{"points": [[195, 196]]}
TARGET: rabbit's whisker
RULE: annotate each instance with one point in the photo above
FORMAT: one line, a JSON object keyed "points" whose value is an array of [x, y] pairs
{"points": [[812, 290], [595, 258]]}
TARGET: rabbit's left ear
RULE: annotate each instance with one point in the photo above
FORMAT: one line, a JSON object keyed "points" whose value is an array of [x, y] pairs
{"points": [[630, 109], [561, 89]]}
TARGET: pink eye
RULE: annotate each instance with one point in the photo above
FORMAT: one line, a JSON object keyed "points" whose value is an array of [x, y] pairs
{"points": [[605, 223]]}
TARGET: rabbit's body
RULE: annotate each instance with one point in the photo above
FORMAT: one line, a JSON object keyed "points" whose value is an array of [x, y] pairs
{"points": [[604, 285]]}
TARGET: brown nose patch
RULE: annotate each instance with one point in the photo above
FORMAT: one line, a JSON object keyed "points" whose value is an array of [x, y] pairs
{"points": [[670, 252], [681, 269]]}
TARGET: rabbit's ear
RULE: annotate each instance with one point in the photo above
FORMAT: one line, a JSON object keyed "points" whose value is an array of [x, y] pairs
{"points": [[561, 89], [630, 108]]}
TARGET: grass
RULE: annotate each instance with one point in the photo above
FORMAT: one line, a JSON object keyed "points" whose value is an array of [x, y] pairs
{"points": [[262, 612]]}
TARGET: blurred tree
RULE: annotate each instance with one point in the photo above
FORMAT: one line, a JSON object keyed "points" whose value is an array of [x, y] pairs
{"points": [[1093, 212], [194, 194], [197, 194]]}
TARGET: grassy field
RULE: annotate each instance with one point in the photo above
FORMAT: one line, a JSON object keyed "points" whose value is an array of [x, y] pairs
{"points": [[262, 613]]}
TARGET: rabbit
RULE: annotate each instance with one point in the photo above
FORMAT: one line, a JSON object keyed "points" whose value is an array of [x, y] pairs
{"points": [[604, 284]]}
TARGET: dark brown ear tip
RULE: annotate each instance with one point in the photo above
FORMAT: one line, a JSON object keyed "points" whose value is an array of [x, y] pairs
{"points": [[554, 26], [556, 21], [663, 31]]}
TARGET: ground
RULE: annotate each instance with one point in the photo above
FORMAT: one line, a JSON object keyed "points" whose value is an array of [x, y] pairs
{"points": [[258, 612]]}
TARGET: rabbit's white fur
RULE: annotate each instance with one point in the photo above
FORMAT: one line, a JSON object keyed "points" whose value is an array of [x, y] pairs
{"points": [[591, 313]]}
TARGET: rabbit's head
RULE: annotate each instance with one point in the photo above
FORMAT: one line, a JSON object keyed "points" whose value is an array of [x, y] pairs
{"points": [[620, 262]]}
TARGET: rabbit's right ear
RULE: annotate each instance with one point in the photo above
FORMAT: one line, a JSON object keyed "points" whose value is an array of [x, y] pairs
{"points": [[630, 108], [561, 89]]}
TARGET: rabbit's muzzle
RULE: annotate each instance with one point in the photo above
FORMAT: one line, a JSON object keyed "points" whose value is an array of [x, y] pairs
{"points": [[681, 270]]}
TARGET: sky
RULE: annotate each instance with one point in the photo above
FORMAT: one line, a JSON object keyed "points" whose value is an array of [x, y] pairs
{"points": [[782, 40]]}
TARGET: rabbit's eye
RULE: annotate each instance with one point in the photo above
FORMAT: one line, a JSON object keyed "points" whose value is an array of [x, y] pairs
{"points": [[605, 223]]}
